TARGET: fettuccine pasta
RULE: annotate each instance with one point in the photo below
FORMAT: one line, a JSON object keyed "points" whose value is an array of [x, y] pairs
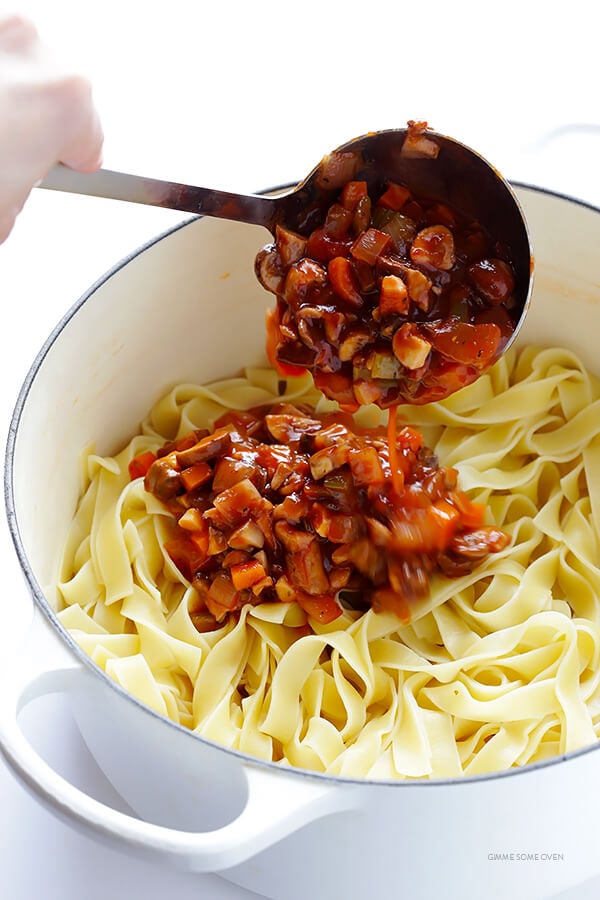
{"points": [[498, 668]]}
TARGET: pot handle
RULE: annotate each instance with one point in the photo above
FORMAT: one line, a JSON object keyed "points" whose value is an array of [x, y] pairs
{"points": [[276, 805]]}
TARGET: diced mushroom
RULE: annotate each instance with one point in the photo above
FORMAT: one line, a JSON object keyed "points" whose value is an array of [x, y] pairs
{"points": [[294, 509], [493, 279], [262, 585], [246, 536], [366, 392], [293, 539], [379, 533], [355, 340], [338, 168], [270, 269], [217, 541], [417, 145], [325, 461], [163, 480], [222, 597], [365, 466], [239, 502], [191, 520], [229, 470], [418, 286], [306, 570], [290, 429], [332, 434], [434, 246], [302, 278], [284, 589], [308, 334], [339, 577], [393, 296], [409, 347], [291, 246], [209, 447], [336, 527], [283, 471]]}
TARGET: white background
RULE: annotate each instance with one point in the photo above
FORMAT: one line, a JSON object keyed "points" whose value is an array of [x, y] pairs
{"points": [[246, 95]]}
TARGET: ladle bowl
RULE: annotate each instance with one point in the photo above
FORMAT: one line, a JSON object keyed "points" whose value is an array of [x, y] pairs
{"points": [[430, 164]]}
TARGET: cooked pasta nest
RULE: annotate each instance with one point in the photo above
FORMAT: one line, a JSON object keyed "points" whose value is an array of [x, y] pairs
{"points": [[497, 669]]}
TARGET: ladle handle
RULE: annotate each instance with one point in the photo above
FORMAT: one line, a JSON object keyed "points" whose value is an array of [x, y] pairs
{"points": [[250, 208]]}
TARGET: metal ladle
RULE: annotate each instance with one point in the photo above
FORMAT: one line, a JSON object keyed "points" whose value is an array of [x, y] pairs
{"points": [[436, 166]]}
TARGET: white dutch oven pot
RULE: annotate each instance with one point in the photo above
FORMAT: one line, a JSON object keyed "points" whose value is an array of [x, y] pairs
{"points": [[187, 307]]}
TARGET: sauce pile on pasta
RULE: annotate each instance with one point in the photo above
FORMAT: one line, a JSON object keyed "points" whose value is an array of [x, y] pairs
{"points": [[279, 504], [498, 667]]}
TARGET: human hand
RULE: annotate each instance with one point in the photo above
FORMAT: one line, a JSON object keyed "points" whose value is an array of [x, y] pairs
{"points": [[46, 116]]}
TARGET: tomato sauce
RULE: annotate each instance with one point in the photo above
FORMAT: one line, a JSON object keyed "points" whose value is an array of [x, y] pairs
{"points": [[280, 504]]}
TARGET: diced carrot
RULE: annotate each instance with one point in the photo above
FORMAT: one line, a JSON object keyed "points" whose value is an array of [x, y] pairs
{"points": [[472, 514], [410, 439], [194, 476], [201, 539], [343, 280], [352, 192], [245, 574], [387, 600], [394, 197], [186, 556], [447, 519], [191, 520], [322, 608], [303, 631], [140, 464]]}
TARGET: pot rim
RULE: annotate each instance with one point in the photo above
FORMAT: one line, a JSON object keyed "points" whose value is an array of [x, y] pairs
{"points": [[62, 633]]}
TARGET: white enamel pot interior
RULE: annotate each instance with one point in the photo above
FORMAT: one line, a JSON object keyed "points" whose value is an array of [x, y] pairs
{"points": [[187, 307]]}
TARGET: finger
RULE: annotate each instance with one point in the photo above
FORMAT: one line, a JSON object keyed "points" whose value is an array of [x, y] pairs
{"points": [[79, 125], [7, 222], [85, 152], [17, 33]]}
